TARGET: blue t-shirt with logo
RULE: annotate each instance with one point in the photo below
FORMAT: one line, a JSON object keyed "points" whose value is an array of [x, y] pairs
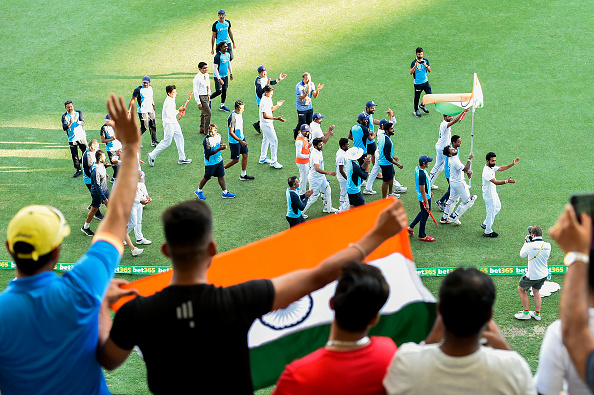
{"points": [[211, 144], [360, 136], [386, 149], [222, 30], [420, 72], [222, 60]]}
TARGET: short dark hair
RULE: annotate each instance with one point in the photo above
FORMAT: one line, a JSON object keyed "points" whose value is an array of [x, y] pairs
{"points": [[170, 88], [291, 181], [536, 231], [490, 155], [316, 141], [28, 266], [239, 103], [418, 50], [446, 151], [304, 74], [466, 298], [342, 142], [220, 45], [98, 154], [188, 229], [201, 65], [388, 125], [454, 138], [67, 102], [360, 293], [268, 88]]}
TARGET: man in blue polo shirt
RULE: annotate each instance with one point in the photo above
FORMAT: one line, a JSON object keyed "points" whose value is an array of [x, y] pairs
{"points": [[355, 175], [424, 195], [419, 69], [305, 90], [49, 324], [222, 74], [213, 163], [143, 94], [221, 32]]}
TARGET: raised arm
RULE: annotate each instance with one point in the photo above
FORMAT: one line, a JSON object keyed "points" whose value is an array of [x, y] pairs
{"points": [[295, 285], [505, 167], [457, 118]]}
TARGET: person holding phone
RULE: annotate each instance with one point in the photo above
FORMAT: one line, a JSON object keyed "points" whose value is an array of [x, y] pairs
{"points": [[419, 69]]}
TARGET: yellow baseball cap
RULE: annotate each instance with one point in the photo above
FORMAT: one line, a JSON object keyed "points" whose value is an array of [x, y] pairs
{"points": [[43, 227]]}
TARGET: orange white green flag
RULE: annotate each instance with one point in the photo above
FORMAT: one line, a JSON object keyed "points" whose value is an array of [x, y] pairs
{"points": [[455, 103], [282, 336]]}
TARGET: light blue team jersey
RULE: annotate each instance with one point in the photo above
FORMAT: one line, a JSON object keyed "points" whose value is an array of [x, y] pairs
{"points": [[427, 182], [212, 144], [304, 105], [222, 30], [357, 132], [420, 72], [87, 179], [146, 100], [384, 141], [353, 186], [222, 60], [290, 212], [235, 122], [371, 126], [113, 145], [74, 127]]}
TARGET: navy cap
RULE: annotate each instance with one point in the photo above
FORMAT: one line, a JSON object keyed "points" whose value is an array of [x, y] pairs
{"points": [[317, 115], [221, 11], [146, 78], [305, 128], [363, 116], [370, 103], [425, 159], [107, 118], [383, 122], [261, 69]]}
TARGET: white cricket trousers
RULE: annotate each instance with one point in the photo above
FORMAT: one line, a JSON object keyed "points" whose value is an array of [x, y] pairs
{"points": [[320, 186], [171, 131], [374, 172], [439, 164], [268, 138], [303, 176], [344, 197], [135, 221], [458, 190], [493, 207]]}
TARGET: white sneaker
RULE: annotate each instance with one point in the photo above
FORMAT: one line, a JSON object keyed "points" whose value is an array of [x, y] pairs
{"points": [[400, 189], [184, 161], [144, 241], [369, 192], [304, 216], [535, 316], [396, 195], [451, 220], [363, 183], [332, 210], [151, 160], [276, 165], [434, 187], [521, 315], [137, 251]]}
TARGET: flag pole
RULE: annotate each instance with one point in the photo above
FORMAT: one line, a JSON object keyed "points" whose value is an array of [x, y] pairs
{"points": [[471, 144]]}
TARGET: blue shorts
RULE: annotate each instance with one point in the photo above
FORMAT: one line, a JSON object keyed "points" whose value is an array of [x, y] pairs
{"points": [[356, 199], [371, 147], [237, 149], [96, 202], [217, 170], [387, 172]]}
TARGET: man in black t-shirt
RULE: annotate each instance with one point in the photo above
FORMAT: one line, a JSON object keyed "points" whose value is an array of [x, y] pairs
{"points": [[193, 335]]}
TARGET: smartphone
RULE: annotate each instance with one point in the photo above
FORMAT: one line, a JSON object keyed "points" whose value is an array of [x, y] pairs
{"points": [[584, 204]]}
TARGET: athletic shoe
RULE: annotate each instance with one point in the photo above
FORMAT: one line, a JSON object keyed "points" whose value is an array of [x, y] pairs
{"points": [[331, 211], [434, 187], [410, 231], [537, 317], [78, 173], [363, 184], [426, 238], [99, 216], [88, 231], [424, 109], [483, 226], [228, 195], [200, 195], [144, 241], [276, 165], [522, 315], [223, 108], [137, 251], [151, 160], [88, 208], [304, 216], [441, 205], [417, 114], [444, 219], [266, 160], [256, 126], [141, 146], [400, 189], [396, 195], [154, 143], [492, 234], [369, 192], [125, 244], [184, 161], [112, 180], [455, 221], [245, 178]]}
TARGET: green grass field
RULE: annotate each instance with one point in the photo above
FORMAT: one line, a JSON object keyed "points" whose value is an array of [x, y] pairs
{"points": [[533, 59]]}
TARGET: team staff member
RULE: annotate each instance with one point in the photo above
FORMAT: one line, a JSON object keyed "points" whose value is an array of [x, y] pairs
{"points": [[355, 175], [73, 124], [222, 74], [424, 195], [305, 90], [492, 202], [202, 96], [221, 32], [261, 81], [143, 94], [213, 163], [295, 202], [419, 69], [302, 153], [237, 141]]}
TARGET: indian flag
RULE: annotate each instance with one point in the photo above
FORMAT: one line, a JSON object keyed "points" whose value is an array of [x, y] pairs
{"points": [[282, 336], [455, 103]]}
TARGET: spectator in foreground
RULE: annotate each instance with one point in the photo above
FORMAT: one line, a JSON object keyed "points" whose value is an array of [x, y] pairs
{"points": [[214, 328], [575, 239], [49, 324], [461, 365], [360, 294]]}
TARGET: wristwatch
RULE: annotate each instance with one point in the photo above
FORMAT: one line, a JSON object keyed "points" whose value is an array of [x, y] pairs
{"points": [[573, 256]]}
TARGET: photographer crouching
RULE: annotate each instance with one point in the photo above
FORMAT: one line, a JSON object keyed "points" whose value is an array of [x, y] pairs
{"points": [[537, 251]]}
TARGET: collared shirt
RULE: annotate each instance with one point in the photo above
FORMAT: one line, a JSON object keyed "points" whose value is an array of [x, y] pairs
{"points": [[445, 135], [169, 111], [201, 86], [340, 160], [316, 157], [489, 189], [305, 104], [266, 107], [537, 251]]}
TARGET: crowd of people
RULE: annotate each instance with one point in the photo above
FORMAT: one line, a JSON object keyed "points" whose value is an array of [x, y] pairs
{"points": [[56, 333]]}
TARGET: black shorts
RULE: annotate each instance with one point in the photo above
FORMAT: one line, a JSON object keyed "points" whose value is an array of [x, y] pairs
{"points": [[295, 221], [371, 147], [96, 202], [217, 170], [356, 199], [387, 172], [526, 283], [237, 149]]}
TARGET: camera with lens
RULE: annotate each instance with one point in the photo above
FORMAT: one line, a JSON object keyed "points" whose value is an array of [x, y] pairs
{"points": [[529, 237]]}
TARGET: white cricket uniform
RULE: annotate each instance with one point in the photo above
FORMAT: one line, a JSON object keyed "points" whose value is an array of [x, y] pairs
{"points": [[344, 198], [268, 133], [492, 202], [318, 181], [135, 220], [315, 131], [445, 137], [171, 130], [458, 189], [303, 167]]}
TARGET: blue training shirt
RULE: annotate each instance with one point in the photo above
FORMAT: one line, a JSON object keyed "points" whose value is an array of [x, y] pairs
{"points": [[222, 60], [360, 136], [49, 327], [295, 203], [422, 178], [354, 176], [211, 144], [386, 149], [222, 30], [420, 73]]}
